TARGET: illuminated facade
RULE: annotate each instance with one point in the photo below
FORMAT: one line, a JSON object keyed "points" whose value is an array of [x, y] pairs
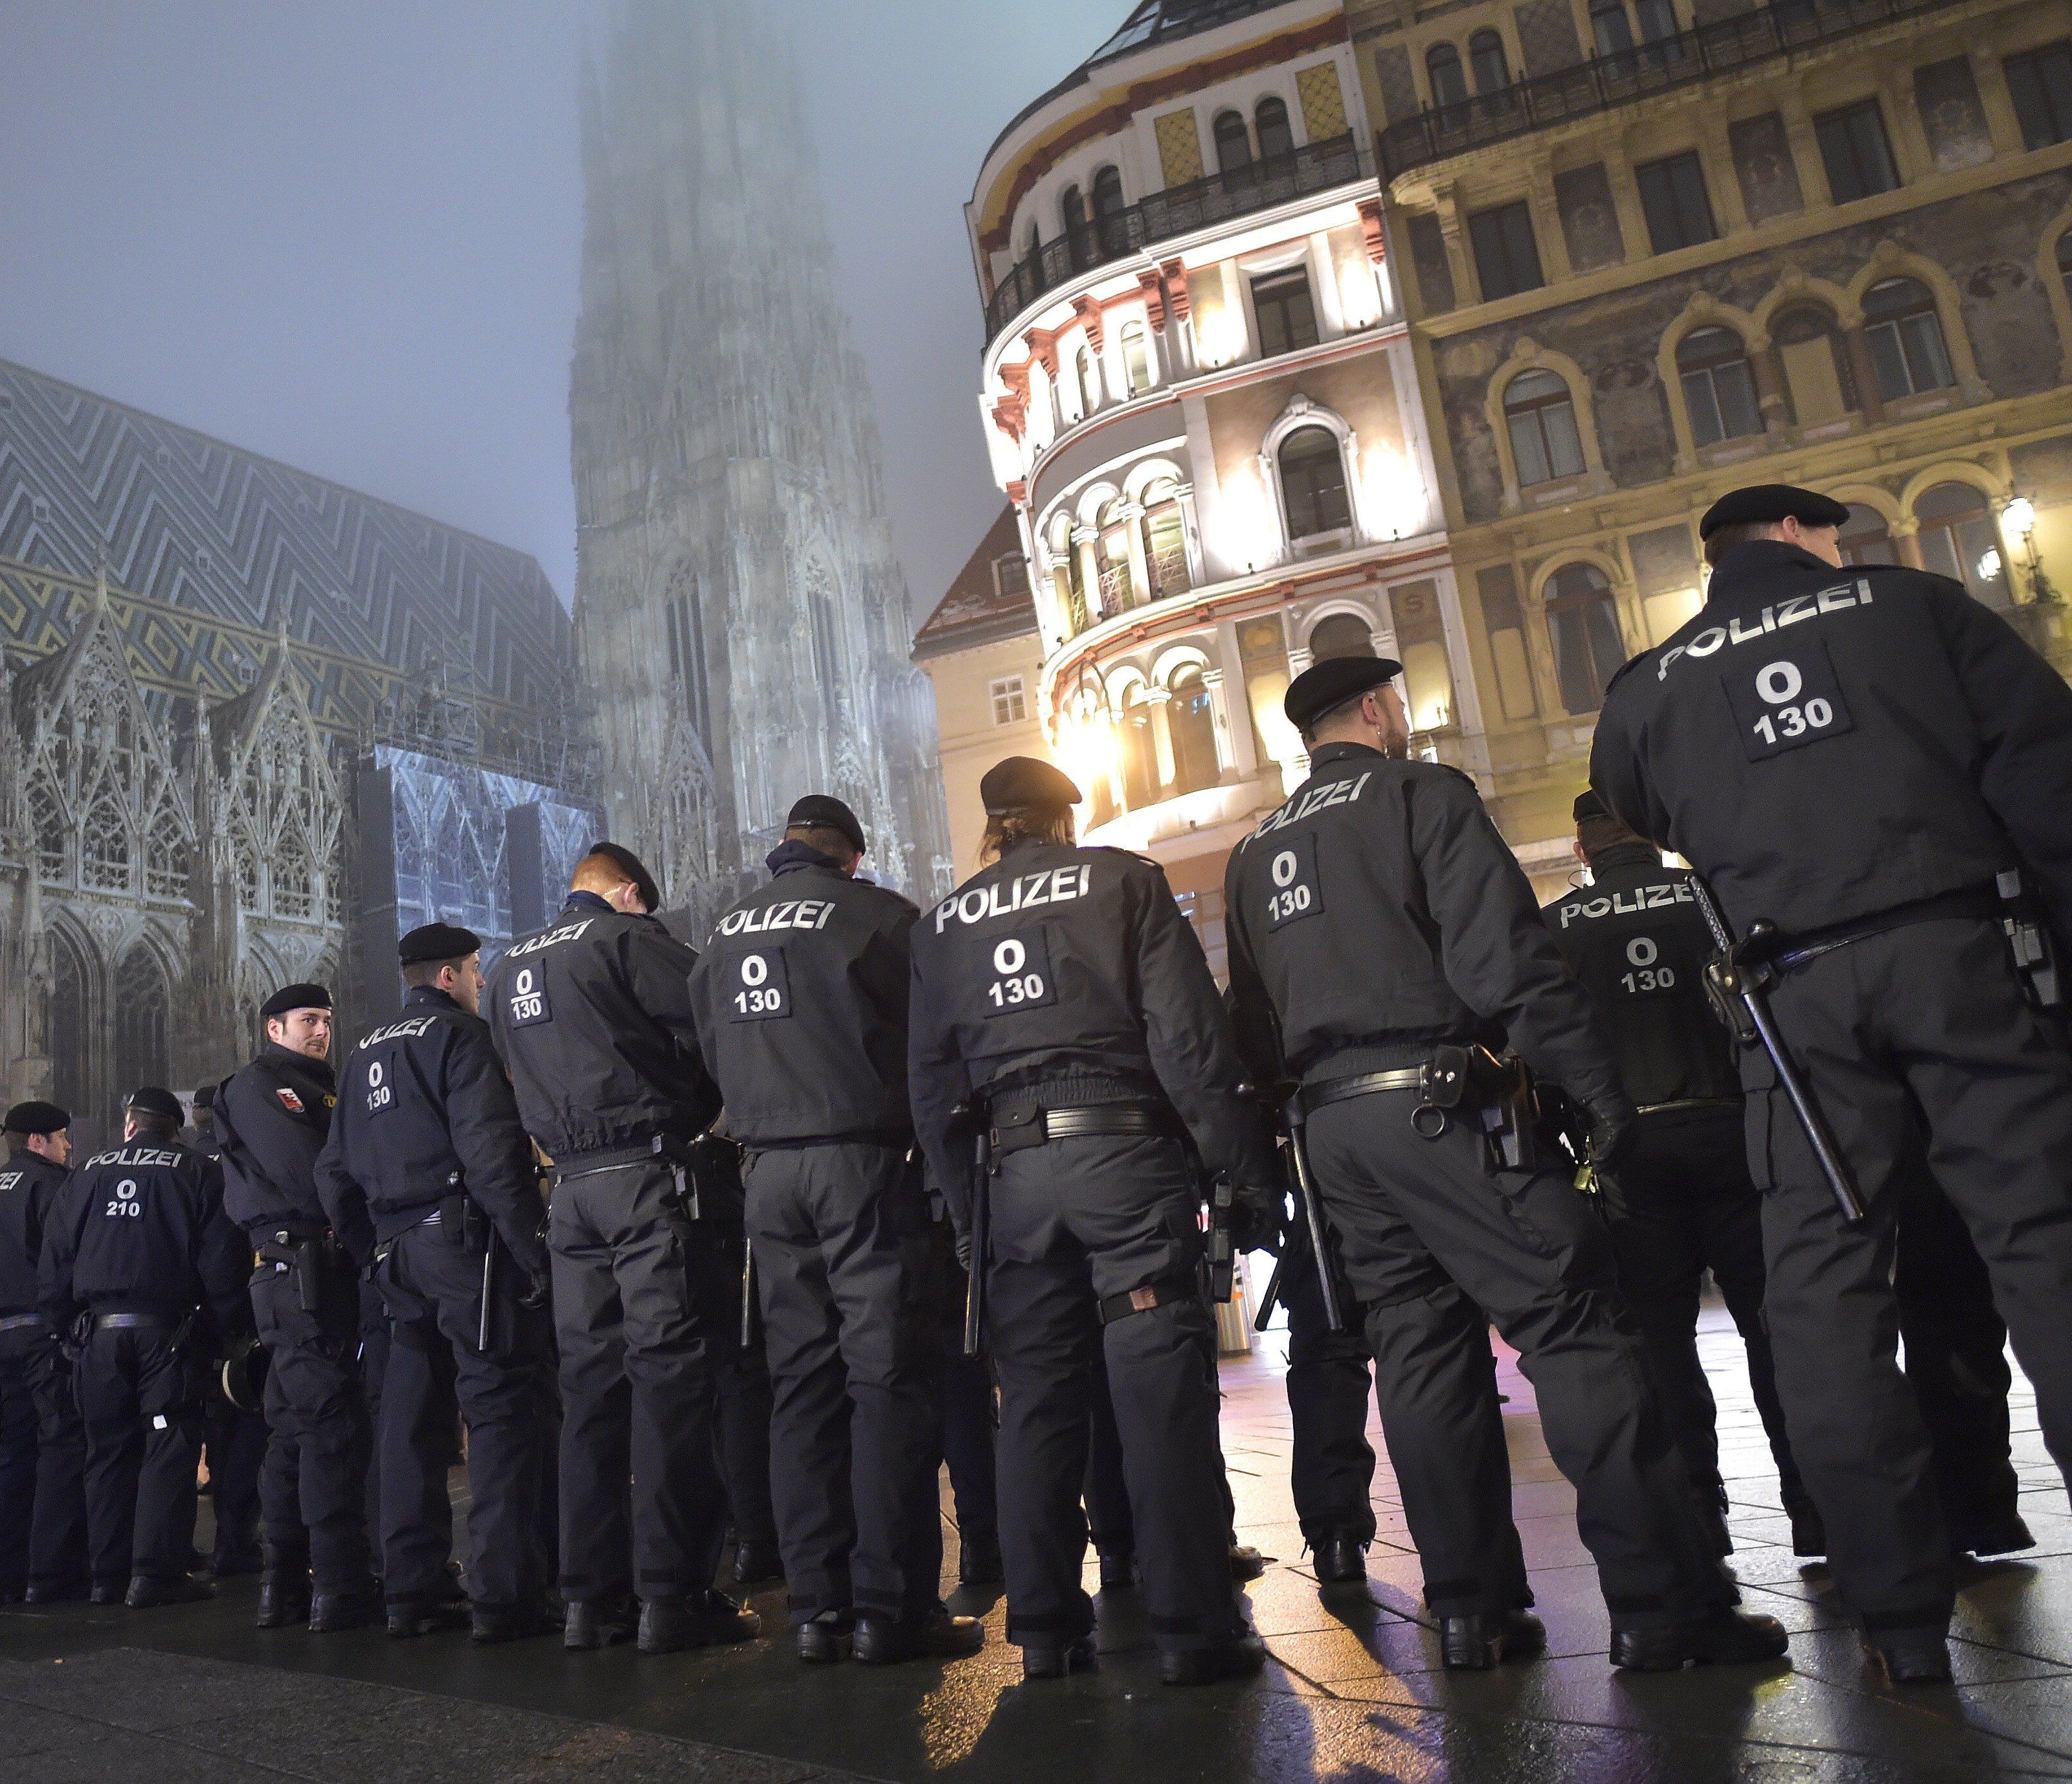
{"points": [[1198, 392]]}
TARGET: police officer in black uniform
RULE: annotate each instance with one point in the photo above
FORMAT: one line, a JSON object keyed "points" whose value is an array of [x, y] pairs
{"points": [[1062, 988], [233, 1431], [800, 998], [593, 1017], [1374, 919], [1854, 755], [1682, 1202], [428, 1178], [139, 1253], [43, 1447], [272, 1117], [1329, 1382]]}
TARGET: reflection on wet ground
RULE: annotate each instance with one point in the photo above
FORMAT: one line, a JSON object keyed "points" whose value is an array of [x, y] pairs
{"points": [[1353, 1692]]}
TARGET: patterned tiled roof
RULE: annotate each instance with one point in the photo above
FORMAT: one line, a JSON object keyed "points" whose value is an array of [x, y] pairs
{"points": [[975, 610]]}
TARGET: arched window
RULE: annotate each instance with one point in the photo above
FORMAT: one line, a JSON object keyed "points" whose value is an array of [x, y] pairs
{"points": [[1582, 624], [1485, 57], [1541, 416], [1276, 138], [1067, 583], [1110, 225], [1166, 541], [105, 861], [1340, 634], [1089, 375], [1719, 390], [294, 880], [1193, 719], [1959, 539], [1810, 353], [140, 1020], [1866, 539], [1906, 337], [1140, 750], [1118, 586], [1442, 65], [70, 1032], [165, 859], [47, 818], [1233, 142], [1079, 238], [1137, 357], [1610, 26], [1312, 484]]}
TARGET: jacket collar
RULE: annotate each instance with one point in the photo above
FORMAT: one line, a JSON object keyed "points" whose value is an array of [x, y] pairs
{"points": [[1343, 751], [1744, 571], [432, 995]]}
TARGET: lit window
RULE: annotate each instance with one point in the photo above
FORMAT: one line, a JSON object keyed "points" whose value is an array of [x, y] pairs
{"points": [[1905, 338], [1719, 390], [1582, 625], [1541, 416], [1312, 484], [1010, 700], [1286, 313], [1858, 156], [1191, 723], [1136, 357], [1089, 381]]}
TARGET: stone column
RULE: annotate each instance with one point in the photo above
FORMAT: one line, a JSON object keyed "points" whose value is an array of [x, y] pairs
{"points": [[1161, 737], [1243, 753], [1863, 369], [1212, 679], [1907, 543], [1139, 562], [1084, 540]]}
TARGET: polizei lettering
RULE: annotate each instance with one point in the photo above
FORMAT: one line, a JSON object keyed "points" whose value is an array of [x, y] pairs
{"points": [[1772, 618], [1621, 904], [791, 914], [405, 1030], [1317, 798], [134, 1156], [567, 932], [1022, 892]]}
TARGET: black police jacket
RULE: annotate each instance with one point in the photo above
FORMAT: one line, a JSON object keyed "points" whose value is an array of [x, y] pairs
{"points": [[1072, 968], [593, 1018], [1379, 908], [29, 1184], [800, 997], [271, 1117], [423, 1100], [1635, 939], [1825, 744], [141, 1228]]}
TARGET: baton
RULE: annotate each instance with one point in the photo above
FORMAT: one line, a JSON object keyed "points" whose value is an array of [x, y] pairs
{"points": [[981, 1222], [1734, 985], [488, 1289], [1306, 1193], [747, 1294]]}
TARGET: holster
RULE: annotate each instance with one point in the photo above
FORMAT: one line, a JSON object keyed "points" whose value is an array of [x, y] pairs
{"points": [[2029, 940], [1498, 1088], [681, 1158], [307, 1259]]}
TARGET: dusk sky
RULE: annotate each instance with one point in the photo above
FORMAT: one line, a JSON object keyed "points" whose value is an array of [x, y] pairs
{"points": [[346, 234]]}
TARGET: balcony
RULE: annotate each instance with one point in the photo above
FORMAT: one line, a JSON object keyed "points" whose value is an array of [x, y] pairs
{"points": [[1605, 82], [1178, 211]]}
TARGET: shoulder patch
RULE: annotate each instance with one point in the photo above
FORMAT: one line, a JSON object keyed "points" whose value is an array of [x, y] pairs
{"points": [[289, 1100]]}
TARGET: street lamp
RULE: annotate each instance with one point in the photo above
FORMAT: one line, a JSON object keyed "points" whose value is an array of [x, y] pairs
{"points": [[2018, 521]]}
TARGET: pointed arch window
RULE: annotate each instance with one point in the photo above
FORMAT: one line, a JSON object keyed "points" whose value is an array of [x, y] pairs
{"points": [[1442, 66], [1545, 444], [104, 857], [1312, 484], [294, 879], [46, 817], [1905, 338], [140, 1002], [1719, 389], [1276, 136], [165, 859], [70, 1027]]}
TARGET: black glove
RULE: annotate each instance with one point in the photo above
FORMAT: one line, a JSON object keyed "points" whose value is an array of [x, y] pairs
{"points": [[1257, 1214], [965, 1252], [1613, 1129]]}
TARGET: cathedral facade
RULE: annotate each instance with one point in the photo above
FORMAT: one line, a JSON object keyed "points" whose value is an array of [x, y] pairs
{"points": [[742, 619], [253, 726]]}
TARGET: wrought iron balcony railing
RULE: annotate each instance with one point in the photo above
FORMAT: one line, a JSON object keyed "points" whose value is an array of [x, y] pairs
{"points": [[1178, 211], [1778, 29]]}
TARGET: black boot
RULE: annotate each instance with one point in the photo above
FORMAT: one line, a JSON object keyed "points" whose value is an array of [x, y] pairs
{"points": [[1488, 1638], [491, 1624], [2002, 1536], [111, 1592], [1118, 1572], [1055, 1659], [1245, 1562], [826, 1639], [410, 1618], [599, 1624], [284, 1597], [1724, 1638], [882, 1641], [147, 1593], [353, 1607], [756, 1563], [978, 1559], [1341, 1560], [56, 1592], [1809, 1533], [701, 1621], [1909, 1656], [1238, 1658]]}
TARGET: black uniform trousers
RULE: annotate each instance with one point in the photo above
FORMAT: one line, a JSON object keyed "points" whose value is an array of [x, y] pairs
{"points": [[1956, 1364], [1683, 1204], [1330, 1464], [741, 1380], [1432, 1240], [1073, 1223], [42, 1463], [640, 1294], [140, 1401], [962, 1388], [313, 1492], [236, 1453], [841, 1235], [431, 1283], [1919, 1047]]}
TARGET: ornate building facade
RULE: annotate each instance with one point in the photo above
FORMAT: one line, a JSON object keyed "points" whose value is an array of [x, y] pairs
{"points": [[1652, 249], [1201, 401], [252, 725], [742, 616]]}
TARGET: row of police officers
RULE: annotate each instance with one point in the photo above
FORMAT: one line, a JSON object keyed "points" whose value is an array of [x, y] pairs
{"points": [[1871, 777]]}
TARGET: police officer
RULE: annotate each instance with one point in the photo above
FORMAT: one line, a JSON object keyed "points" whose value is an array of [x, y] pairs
{"points": [[1378, 930], [593, 1017], [272, 1117], [800, 998], [138, 1251], [1062, 988], [1854, 755], [234, 1431], [43, 1448], [1682, 1202], [427, 1177], [1331, 1462]]}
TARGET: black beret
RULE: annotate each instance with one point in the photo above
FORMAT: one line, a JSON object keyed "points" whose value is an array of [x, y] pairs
{"points": [[205, 1098], [826, 812], [301, 997], [437, 942], [150, 1099], [629, 864], [1590, 803], [1332, 683], [1766, 504], [36, 1118], [1023, 783]]}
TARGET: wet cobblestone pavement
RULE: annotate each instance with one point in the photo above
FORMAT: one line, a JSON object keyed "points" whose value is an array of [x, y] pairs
{"points": [[1353, 1692]]}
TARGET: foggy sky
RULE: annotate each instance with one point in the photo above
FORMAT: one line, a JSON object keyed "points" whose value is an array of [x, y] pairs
{"points": [[346, 234]]}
